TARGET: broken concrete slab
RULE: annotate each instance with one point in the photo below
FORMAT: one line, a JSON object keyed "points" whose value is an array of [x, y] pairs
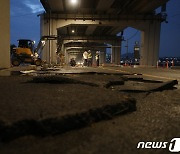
{"points": [[109, 81], [139, 79], [114, 83], [60, 125], [147, 86], [88, 78], [44, 100], [21, 100], [166, 86], [60, 80]]}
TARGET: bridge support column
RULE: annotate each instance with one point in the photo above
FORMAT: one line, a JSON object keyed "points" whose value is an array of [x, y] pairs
{"points": [[66, 54], [48, 28], [5, 34], [116, 53], [150, 42], [63, 48], [102, 56]]}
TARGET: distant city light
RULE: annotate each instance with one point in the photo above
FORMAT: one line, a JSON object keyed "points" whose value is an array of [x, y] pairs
{"points": [[74, 2]]}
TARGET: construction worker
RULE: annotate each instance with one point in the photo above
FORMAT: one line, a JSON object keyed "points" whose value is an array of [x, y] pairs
{"points": [[89, 58], [97, 58], [85, 56], [72, 62]]}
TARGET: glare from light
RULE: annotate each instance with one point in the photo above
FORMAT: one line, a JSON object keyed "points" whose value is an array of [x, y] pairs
{"points": [[73, 31], [74, 2], [36, 55], [43, 43]]}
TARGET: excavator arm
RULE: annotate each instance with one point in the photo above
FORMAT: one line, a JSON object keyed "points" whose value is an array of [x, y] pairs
{"points": [[42, 43]]}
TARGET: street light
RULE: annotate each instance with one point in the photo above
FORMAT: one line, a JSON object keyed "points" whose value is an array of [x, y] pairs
{"points": [[74, 2]]}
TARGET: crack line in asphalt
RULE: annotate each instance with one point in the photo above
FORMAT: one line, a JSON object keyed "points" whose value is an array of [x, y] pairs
{"points": [[148, 75], [60, 125]]}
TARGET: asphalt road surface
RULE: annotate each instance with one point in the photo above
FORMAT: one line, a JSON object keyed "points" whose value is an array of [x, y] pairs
{"points": [[33, 102]]}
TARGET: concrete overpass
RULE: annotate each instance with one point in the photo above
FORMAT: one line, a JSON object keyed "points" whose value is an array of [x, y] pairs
{"points": [[100, 21], [91, 21]]}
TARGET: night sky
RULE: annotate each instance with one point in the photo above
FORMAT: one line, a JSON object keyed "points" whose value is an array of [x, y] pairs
{"points": [[26, 25]]}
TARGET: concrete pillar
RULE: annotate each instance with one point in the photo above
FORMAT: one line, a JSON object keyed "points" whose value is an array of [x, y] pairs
{"points": [[53, 48], [66, 56], [5, 34], [116, 52], [44, 31], [102, 59], [62, 49], [93, 52], [150, 42], [48, 28], [112, 55]]}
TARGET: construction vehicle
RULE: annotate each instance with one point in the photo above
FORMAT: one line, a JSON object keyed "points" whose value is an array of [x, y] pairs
{"points": [[26, 52]]}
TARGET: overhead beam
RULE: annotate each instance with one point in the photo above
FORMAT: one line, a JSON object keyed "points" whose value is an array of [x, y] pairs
{"points": [[90, 30], [152, 6], [117, 30], [147, 6], [82, 41], [77, 44], [68, 48], [124, 6], [101, 6], [81, 50], [130, 7], [91, 38], [104, 5], [64, 5], [89, 47], [86, 46], [100, 18], [56, 5]]}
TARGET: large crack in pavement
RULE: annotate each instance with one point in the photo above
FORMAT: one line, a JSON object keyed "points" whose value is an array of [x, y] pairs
{"points": [[60, 125], [78, 120], [108, 81], [60, 80]]}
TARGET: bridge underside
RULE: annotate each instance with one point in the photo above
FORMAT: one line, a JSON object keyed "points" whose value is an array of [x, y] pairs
{"points": [[95, 24]]}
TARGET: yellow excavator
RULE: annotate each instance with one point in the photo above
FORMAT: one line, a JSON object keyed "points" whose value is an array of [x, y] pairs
{"points": [[26, 52]]}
